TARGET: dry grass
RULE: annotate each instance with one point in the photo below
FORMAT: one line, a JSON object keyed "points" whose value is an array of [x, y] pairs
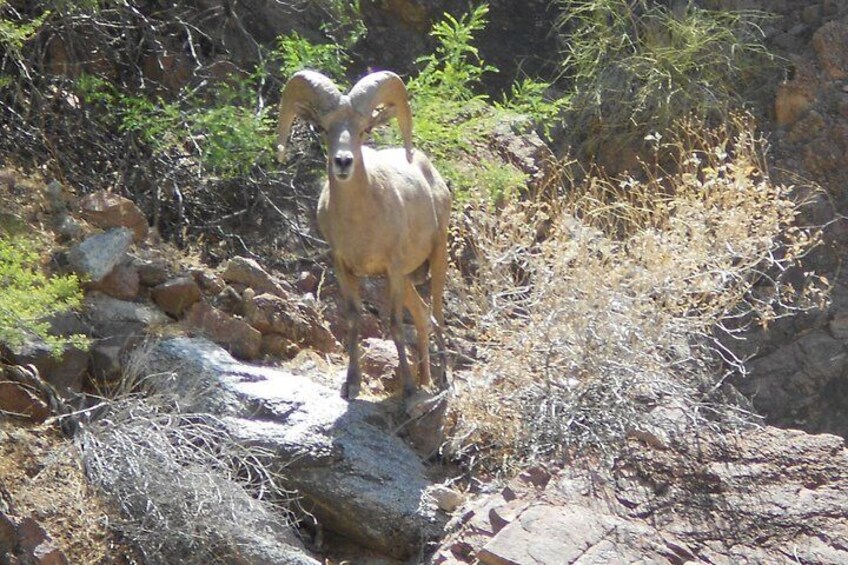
{"points": [[41, 472], [186, 489], [600, 311]]}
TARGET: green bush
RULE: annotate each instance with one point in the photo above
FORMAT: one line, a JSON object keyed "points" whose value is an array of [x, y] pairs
{"points": [[28, 296], [451, 114], [637, 66]]}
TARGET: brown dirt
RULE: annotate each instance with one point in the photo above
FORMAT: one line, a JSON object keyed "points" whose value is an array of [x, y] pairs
{"points": [[41, 476]]}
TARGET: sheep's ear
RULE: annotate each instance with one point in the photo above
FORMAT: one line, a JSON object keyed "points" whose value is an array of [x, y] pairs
{"points": [[382, 115]]}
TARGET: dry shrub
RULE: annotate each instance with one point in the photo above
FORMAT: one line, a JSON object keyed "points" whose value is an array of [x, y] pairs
{"points": [[608, 313], [186, 489]]}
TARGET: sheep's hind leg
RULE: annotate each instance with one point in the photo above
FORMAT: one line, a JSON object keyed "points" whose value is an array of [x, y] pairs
{"points": [[421, 318], [438, 274], [397, 290], [349, 287]]}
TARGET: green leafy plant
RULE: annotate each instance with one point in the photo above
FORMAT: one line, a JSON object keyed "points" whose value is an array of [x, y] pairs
{"points": [[28, 297], [636, 66], [14, 31], [528, 97], [297, 53], [223, 132]]}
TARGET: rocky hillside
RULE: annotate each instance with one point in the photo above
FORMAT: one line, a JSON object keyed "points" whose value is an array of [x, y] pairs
{"points": [[204, 418]]}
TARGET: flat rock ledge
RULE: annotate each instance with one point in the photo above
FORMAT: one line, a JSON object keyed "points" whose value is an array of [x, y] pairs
{"points": [[355, 476]]}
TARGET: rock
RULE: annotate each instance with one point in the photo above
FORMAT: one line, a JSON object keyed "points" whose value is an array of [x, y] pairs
{"points": [[116, 326], [549, 535], [55, 197], [96, 256], [831, 44], [307, 283], [177, 295], [838, 326], [64, 371], [121, 283], [742, 498], [791, 386], [8, 534], [237, 336], [107, 210], [101, 309], [278, 345], [209, 283], [229, 301], [248, 272], [106, 358], [539, 477], [517, 144], [68, 227], [354, 475], [792, 100], [379, 363], [295, 320], [19, 401], [424, 428], [35, 546], [504, 515], [447, 499], [151, 272]]}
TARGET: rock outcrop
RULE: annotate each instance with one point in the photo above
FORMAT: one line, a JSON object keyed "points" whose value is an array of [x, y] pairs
{"points": [[766, 496], [355, 476]]}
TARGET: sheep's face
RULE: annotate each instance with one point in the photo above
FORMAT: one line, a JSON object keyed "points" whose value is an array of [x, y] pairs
{"points": [[345, 130]]}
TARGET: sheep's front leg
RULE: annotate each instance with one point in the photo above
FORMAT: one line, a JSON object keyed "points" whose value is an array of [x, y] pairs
{"points": [[352, 304], [397, 288]]}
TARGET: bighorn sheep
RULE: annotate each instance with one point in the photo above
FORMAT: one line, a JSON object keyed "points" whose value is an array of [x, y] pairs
{"points": [[382, 212]]}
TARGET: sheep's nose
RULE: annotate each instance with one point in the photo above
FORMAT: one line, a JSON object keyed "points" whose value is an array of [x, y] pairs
{"points": [[343, 162]]}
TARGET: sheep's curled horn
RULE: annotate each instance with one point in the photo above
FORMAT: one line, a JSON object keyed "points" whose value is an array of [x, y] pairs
{"points": [[310, 94]]}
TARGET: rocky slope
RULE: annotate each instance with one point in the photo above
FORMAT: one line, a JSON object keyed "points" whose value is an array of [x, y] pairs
{"points": [[768, 495]]}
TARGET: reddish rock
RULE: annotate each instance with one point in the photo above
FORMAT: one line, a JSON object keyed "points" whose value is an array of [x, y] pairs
{"points": [[295, 320], [107, 210], [237, 336], [792, 100], [242, 270], [278, 345], [36, 546], [307, 282], [209, 282], [122, 283], [176, 295], [15, 399], [831, 44]]}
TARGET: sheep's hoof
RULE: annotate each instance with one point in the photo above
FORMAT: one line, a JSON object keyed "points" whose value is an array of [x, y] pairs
{"points": [[350, 391]]}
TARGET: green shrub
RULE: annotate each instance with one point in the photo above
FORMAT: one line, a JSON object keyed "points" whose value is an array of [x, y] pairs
{"points": [[28, 296], [221, 130], [637, 66], [297, 53], [451, 115]]}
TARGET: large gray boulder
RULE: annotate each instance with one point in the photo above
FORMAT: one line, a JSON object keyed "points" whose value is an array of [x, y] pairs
{"points": [[356, 477]]}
